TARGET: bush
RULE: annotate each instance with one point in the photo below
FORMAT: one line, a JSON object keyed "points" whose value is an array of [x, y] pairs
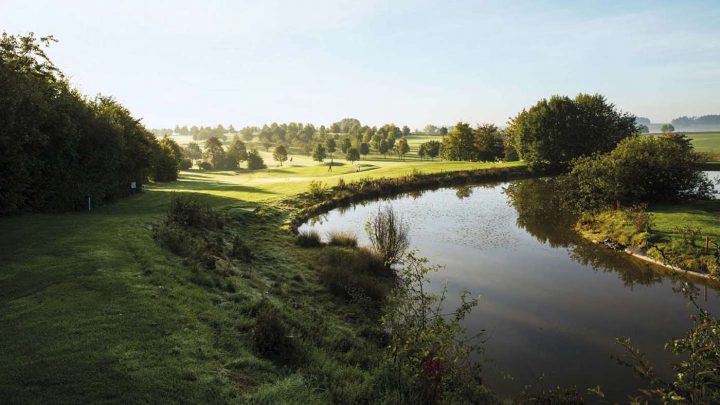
{"points": [[174, 237], [317, 189], [187, 210], [343, 239], [355, 274], [205, 166], [308, 239], [254, 160], [271, 337], [639, 217], [388, 234], [641, 169], [185, 164]]}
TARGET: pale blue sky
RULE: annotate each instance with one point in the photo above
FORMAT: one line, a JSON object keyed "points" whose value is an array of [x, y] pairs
{"points": [[408, 62]]}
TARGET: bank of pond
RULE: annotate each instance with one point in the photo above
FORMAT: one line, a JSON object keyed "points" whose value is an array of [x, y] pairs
{"points": [[552, 303]]}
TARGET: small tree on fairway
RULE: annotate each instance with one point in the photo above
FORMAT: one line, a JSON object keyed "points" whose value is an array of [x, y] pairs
{"points": [[430, 149], [667, 128], [402, 148], [319, 153], [353, 155], [383, 149], [237, 151], [255, 161], [345, 145], [364, 148], [280, 154], [192, 151], [214, 152]]}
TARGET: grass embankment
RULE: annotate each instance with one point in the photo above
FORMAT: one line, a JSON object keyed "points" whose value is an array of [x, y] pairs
{"points": [[675, 234], [94, 310]]}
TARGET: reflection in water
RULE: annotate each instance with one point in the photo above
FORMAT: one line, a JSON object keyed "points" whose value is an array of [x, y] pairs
{"points": [[552, 303]]}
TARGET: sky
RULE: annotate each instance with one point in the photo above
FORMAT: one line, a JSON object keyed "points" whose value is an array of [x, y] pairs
{"points": [[407, 62]]}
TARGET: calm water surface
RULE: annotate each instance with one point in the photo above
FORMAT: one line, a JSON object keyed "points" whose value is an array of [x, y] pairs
{"points": [[551, 304]]}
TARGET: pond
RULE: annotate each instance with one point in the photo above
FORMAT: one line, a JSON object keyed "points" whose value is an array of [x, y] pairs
{"points": [[551, 303]]}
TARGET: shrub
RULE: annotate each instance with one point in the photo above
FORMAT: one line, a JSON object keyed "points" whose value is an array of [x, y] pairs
{"points": [[271, 337], [185, 164], [173, 237], [205, 166], [342, 239], [308, 239], [187, 210], [355, 274], [388, 234], [639, 217], [317, 189], [254, 160]]}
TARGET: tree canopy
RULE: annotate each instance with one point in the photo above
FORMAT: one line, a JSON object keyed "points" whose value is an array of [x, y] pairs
{"points": [[557, 130]]}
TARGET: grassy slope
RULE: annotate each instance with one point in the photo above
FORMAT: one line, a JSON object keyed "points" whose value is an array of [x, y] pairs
{"points": [[93, 310]]}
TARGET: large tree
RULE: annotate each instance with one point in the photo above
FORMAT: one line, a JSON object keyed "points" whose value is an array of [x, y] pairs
{"points": [[214, 152], [401, 148], [488, 142], [557, 130], [459, 144], [319, 153], [236, 153]]}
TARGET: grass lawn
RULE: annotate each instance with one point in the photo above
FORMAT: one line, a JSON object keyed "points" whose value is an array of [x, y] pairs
{"points": [[703, 215], [706, 142], [93, 310]]}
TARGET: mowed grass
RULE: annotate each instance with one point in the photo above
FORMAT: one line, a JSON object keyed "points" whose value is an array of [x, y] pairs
{"points": [[93, 310], [706, 142], [703, 215]]}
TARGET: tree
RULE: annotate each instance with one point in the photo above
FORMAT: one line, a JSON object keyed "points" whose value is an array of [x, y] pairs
{"points": [[488, 142], [280, 154], [401, 148], [667, 128], [643, 129], [192, 151], [255, 161], [554, 132], [430, 129], [443, 131], [352, 155], [384, 147], [641, 169], [459, 144], [214, 152], [364, 149], [236, 153], [405, 130], [429, 149], [389, 235], [345, 145], [319, 153]]}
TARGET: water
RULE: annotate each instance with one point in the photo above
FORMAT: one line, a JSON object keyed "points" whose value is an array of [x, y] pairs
{"points": [[551, 303]]}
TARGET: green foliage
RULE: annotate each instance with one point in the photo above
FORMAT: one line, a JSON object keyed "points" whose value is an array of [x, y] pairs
{"points": [[237, 152], [271, 338], [317, 189], [355, 274], [255, 161], [429, 149], [429, 360], [168, 156], [308, 239], [667, 129], [192, 151], [389, 235], [401, 147], [638, 216], [352, 155], [185, 164], [59, 147], [459, 144], [214, 153], [697, 373], [319, 153], [553, 132], [640, 169], [280, 154], [488, 142]]}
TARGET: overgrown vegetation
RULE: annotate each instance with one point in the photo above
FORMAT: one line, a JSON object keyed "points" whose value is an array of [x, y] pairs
{"points": [[697, 371], [389, 235], [59, 148]]}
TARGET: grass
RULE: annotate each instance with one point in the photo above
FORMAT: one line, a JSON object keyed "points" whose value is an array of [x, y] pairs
{"points": [[94, 310]]}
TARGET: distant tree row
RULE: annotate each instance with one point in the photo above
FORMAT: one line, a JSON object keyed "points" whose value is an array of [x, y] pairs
{"points": [[58, 147], [214, 156], [702, 122]]}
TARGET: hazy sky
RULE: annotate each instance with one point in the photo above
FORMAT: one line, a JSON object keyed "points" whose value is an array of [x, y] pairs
{"points": [[408, 62]]}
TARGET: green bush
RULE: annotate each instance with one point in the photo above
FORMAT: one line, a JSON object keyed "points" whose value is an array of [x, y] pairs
{"points": [[185, 164], [174, 237], [205, 166], [187, 210], [355, 274], [317, 189], [254, 160], [343, 239], [271, 337], [308, 239]]}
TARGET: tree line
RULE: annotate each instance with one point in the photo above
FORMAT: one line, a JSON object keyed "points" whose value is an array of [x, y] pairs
{"points": [[60, 148]]}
